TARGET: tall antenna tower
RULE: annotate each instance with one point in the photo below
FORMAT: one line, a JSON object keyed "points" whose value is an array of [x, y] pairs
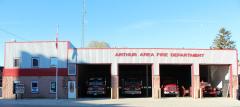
{"points": [[83, 22]]}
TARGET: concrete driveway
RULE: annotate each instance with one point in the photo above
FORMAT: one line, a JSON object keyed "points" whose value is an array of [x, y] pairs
{"points": [[124, 102]]}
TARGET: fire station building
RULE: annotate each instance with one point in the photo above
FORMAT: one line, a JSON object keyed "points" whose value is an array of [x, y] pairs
{"points": [[34, 64]]}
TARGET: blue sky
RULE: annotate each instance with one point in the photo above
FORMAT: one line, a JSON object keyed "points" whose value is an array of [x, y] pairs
{"points": [[121, 23]]}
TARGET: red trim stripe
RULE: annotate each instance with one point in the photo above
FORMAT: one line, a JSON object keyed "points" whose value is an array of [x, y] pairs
{"points": [[35, 72], [154, 49], [36, 41], [129, 48]]}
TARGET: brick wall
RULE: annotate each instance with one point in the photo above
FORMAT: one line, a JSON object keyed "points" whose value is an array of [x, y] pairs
{"points": [[43, 85]]}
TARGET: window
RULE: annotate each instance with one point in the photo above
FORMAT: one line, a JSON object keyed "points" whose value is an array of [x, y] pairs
{"points": [[53, 87], [16, 62], [71, 69], [34, 86], [35, 62], [53, 62], [71, 87]]}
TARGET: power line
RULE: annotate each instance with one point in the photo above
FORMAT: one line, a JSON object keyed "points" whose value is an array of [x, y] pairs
{"points": [[13, 34]]}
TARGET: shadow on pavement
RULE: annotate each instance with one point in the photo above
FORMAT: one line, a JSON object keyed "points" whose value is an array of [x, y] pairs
{"points": [[85, 102]]}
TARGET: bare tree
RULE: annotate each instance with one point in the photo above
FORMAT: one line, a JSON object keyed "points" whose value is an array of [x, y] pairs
{"points": [[98, 44]]}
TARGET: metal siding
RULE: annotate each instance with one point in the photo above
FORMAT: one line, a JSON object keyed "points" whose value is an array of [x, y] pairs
{"points": [[43, 50], [108, 56]]}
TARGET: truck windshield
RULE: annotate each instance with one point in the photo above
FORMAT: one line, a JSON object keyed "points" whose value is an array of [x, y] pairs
{"points": [[95, 82]]}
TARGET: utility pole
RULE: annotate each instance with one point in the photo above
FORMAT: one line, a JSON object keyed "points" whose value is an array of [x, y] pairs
{"points": [[83, 22], [57, 63]]}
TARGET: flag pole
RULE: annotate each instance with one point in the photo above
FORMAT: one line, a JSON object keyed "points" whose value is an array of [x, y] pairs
{"points": [[57, 63]]}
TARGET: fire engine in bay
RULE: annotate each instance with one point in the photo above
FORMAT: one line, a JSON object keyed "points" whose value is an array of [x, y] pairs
{"points": [[96, 86], [132, 86]]}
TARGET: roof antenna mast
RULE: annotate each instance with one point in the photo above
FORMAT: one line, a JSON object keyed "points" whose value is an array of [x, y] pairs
{"points": [[83, 22]]}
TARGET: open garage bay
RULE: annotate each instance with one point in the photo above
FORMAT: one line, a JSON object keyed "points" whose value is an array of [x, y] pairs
{"points": [[175, 80], [94, 80], [214, 80], [135, 80]]}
